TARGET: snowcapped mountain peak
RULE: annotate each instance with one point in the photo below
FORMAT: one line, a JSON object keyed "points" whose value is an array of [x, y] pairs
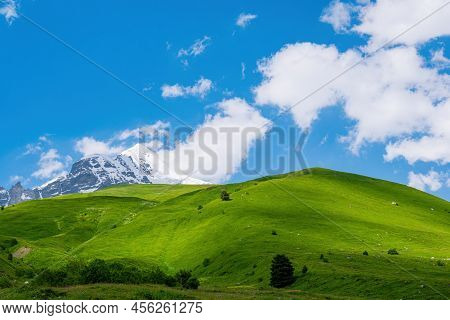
{"points": [[132, 166]]}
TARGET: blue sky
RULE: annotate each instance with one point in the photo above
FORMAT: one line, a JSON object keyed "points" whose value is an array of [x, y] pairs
{"points": [[51, 97]]}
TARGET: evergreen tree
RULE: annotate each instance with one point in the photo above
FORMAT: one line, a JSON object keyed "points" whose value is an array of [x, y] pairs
{"points": [[282, 272]]}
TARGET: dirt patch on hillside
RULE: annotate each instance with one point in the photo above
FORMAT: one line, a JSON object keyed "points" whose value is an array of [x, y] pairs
{"points": [[22, 252]]}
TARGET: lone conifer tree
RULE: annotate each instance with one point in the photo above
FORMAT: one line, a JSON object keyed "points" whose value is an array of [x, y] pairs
{"points": [[282, 272]]}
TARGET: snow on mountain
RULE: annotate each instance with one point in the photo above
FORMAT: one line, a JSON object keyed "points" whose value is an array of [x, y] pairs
{"points": [[133, 166], [140, 154]]}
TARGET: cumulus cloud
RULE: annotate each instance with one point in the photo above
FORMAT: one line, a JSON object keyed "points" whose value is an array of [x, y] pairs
{"points": [[431, 181], [49, 165], [88, 146], [391, 95], [339, 15], [384, 20], [199, 89], [8, 9], [217, 148], [244, 19]]}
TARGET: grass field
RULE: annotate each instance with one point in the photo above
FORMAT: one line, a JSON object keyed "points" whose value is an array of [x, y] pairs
{"points": [[303, 215]]}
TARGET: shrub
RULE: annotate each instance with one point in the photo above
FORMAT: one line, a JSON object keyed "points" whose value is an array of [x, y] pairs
{"points": [[282, 272], [185, 280], [46, 294], [274, 233], [392, 251], [224, 195], [325, 260], [183, 276], [170, 281], [95, 272], [8, 243], [321, 256], [2, 208], [304, 269], [157, 276], [440, 263], [52, 278], [206, 262], [365, 253], [5, 282], [192, 283], [24, 271], [118, 273], [200, 207]]}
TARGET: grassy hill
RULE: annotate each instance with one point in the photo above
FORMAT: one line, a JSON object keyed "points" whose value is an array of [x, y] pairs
{"points": [[302, 214]]}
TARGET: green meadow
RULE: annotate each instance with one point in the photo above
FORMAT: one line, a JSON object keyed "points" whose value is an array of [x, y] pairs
{"points": [[319, 218]]}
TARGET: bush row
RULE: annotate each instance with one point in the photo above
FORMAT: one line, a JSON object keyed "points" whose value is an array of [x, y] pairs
{"points": [[101, 271]]}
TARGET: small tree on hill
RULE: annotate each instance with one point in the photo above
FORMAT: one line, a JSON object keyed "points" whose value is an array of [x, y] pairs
{"points": [[392, 251], [282, 272], [304, 269], [2, 208], [224, 195]]}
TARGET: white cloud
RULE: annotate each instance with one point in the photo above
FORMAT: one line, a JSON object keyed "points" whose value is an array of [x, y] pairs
{"points": [[439, 58], [50, 165], [391, 95], [339, 15], [217, 148], [384, 20], [8, 9], [45, 138], [197, 48], [89, 146], [158, 129], [242, 70], [199, 89], [244, 19], [32, 149], [431, 181]]}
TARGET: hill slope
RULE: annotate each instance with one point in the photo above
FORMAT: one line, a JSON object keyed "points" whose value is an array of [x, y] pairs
{"points": [[302, 214]]}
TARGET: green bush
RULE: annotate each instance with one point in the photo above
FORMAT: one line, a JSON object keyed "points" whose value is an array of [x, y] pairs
{"points": [[304, 269], [206, 262], [440, 263], [5, 282], [170, 281], [24, 271], [274, 233], [393, 251], [53, 278], [224, 195], [200, 207], [8, 243], [192, 283], [282, 272], [96, 271], [183, 276], [365, 253], [185, 279]]}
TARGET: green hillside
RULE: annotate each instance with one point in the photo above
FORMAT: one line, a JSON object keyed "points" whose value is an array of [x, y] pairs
{"points": [[303, 215]]}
